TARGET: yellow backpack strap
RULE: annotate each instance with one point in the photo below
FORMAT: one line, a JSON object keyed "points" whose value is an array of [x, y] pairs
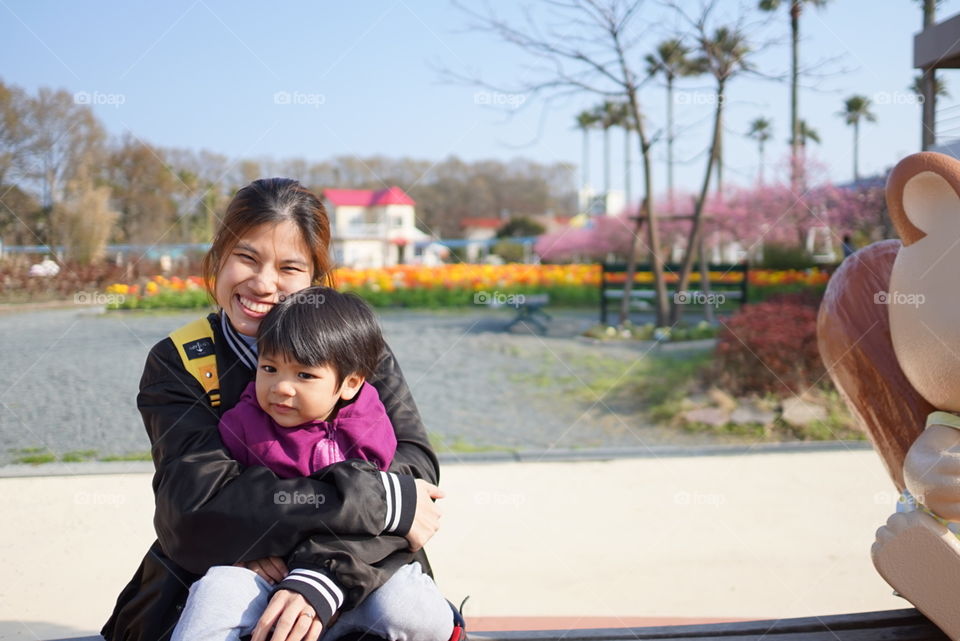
{"points": [[194, 343]]}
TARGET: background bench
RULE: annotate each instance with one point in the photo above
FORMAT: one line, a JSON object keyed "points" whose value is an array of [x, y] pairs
{"points": [[730, 280]]}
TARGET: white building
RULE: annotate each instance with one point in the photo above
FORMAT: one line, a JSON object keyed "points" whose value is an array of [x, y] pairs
{"points": [[479, 234], [611, 203], [372, 228]]}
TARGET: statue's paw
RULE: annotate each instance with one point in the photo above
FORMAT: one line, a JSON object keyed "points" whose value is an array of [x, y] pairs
{"points": [[920, 558]]}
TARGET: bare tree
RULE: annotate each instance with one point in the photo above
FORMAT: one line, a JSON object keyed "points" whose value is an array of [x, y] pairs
{"points": [[725, 50], [144, 190], [588, 47], [66, 134], [17, 143]]}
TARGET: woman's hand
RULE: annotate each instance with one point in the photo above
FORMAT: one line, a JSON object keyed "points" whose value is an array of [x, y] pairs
{"points": [[271, 568], [426, 521], [291, 617]]}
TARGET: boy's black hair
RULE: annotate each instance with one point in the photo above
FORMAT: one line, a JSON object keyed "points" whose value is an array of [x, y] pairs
{"points": [[319, 326]]}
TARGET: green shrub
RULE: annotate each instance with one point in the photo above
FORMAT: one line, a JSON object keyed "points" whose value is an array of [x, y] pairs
{"points": [[785, 257]]}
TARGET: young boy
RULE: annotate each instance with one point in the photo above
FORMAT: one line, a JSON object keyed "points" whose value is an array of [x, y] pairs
{"points": [[309, 407]]}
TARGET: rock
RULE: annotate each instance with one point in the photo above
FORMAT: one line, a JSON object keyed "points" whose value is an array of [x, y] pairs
{"points": [[693, 402], [749, 415], [722, 400], [801, 413], [712, 416]]}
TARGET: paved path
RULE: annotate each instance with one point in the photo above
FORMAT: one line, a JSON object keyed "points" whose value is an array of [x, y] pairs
{"points": [[746, 536], [69, 381]]}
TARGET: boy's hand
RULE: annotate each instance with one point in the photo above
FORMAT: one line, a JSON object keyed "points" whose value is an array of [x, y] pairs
{"points": [[271, 568], [426, 520], [291, 618]]}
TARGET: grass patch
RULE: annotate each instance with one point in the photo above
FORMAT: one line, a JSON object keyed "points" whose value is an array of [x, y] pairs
{"points": [[459, 445], [656, 384], [78, 456], [41, 455], [129, 456], [659, 387], [33, 455]]}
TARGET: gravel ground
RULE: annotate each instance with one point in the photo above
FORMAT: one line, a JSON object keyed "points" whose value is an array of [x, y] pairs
{"points": [[68, 381]]}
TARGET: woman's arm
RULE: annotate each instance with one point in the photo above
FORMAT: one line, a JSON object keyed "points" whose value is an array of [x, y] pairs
{"points": [[414, 454], [211, 511], [334, 572]]}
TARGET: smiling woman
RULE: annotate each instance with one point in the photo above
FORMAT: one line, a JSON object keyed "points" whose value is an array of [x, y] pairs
{"points": [[212, 510], [271, 243]]}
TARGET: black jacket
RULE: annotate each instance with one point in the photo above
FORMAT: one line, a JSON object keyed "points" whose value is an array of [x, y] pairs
{"points": [[212, 511]]}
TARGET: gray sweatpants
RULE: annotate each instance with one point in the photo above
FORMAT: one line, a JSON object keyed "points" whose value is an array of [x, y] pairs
{"points": [[227, 602]]}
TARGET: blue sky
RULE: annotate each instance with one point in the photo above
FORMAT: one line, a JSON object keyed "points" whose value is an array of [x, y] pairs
{"points": [[361, 79]]}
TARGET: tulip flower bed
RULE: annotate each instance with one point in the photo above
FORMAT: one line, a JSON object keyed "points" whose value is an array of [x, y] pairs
{"points": [[159, 293], [767, 283], [461, 285]]}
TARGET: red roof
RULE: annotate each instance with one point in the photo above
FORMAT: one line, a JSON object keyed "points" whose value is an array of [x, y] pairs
{"points": [[368, 197], [483, 223]]}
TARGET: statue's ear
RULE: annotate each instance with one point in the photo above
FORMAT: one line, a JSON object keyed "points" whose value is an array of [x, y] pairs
{"points": [[923, 195]]}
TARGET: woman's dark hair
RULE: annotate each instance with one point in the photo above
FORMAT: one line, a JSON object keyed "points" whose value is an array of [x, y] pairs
{"points": [[320, 326], [269, 201]]}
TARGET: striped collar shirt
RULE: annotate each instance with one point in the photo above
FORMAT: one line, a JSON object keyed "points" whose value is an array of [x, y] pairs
{"points": [[243, 346]]}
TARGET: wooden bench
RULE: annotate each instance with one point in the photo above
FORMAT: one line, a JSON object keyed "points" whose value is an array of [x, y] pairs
{"points": [[730, 285], [528, 309], [890, 625]]}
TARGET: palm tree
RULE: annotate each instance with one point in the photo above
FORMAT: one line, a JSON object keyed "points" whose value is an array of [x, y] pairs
{"points": [[725, 55], [807, 134], [796, 8], [928, 83], [760, 131], [939, 87], [609, 115], [672, 59], [928, 137], [586, 120], [628, 126], [855, 109]]}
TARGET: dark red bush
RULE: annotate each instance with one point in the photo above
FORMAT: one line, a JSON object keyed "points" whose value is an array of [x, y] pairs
{"points": [[769, 348], [17, 286]]}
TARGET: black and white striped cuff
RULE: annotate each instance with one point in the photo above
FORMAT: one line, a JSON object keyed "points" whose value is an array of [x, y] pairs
{"points": [[400, 491], [318, 589]]}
